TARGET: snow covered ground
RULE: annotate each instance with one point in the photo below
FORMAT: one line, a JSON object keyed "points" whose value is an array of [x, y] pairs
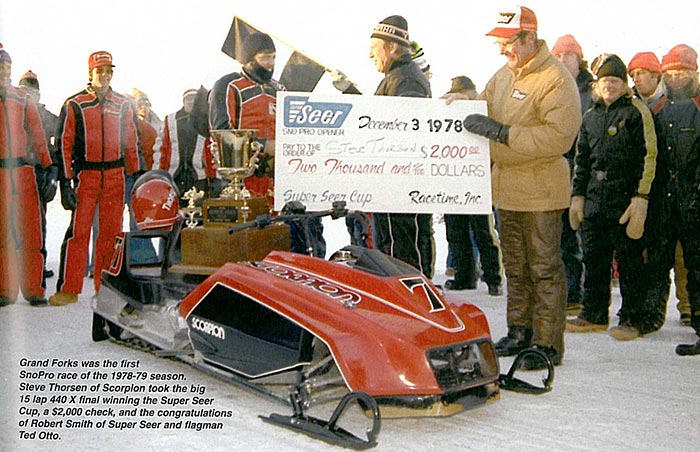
{"points": [[607, 395]]}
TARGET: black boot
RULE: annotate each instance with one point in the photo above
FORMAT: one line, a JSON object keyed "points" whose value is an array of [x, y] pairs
{"points": [[452, 284], [518, 339], [688, 349], [534, 362]]}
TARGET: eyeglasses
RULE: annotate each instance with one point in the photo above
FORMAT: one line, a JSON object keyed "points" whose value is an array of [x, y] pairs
{"points": [[508, 44]]}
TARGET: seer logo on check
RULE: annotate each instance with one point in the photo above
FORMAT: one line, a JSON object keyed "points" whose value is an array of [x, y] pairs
{"points": [[302, 113]]}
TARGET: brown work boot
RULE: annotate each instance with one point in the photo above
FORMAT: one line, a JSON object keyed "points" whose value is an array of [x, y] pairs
{"points": [[624, 333], [581, 325], [573, 309], [63, 298]]}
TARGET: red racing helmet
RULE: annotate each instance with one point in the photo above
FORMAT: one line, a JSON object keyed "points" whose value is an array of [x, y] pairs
{"points": [[155, 201]]}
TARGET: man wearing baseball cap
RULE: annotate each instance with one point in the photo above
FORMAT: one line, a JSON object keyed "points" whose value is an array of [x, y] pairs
{"points": [[97, 148], [679, 117], [534, 117]]}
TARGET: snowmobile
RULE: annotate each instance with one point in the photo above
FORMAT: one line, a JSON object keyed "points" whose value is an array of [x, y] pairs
{"points": [[361, 327]]}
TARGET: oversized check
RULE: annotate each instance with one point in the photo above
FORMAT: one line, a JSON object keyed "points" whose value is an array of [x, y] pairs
{"points": [[380, 154]]}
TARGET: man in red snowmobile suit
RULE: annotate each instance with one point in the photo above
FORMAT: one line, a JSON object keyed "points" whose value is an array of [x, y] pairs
{"points": [[21, 132], [248, 100], [98, 143]]}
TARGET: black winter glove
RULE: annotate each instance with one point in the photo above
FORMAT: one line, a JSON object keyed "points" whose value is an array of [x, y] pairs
{"points": [[68, 197], [486, 127], [49, 185]]}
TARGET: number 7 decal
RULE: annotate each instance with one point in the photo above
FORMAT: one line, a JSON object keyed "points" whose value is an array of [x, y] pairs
{"points": [[412, 284]]}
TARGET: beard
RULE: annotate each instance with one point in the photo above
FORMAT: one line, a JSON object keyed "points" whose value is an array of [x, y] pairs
{"points": [[257, 73]]}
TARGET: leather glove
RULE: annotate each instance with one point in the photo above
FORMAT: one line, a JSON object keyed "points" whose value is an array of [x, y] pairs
{"points": [[635, 216], [50, 186], [68, 197], [486, 127], [340, 80], [576, 211], [342, 83]]}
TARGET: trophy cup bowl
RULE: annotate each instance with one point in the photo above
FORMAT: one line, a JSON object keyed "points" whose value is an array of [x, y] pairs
{"points": [[236, 158]]}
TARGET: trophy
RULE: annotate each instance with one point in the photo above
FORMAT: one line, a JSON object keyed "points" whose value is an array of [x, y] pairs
{"points": [[235, 157], [192, 196]]}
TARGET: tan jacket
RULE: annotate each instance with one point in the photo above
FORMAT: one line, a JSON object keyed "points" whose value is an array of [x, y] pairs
{"points": [[540, 102]]}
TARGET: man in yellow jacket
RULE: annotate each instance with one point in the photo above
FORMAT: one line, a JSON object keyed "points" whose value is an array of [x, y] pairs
{"points": [[534, 116]]}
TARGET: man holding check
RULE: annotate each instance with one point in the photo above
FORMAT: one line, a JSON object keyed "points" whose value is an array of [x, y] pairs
{"points": [[406, 236], [534, 117]]}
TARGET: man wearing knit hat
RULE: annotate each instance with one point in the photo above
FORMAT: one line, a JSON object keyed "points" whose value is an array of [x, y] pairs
{"points": [[567, 50], [461, 228], [463, 84], [46, 178], [679, 117], [144, 109], [248, 100], [97, 148], [406, 236], [645, 70], [534, 117], [418, 56], [22, 144], [615, 169]]}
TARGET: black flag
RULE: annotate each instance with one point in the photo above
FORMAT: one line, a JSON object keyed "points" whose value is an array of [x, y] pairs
{"points": [[301, 73], [233, 45]]}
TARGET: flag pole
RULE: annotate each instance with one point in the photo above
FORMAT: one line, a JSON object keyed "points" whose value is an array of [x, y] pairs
{"points": [[282, 41]]}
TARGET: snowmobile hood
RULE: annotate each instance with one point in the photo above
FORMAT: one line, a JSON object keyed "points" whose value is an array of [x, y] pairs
{"points": [[379, 329]]}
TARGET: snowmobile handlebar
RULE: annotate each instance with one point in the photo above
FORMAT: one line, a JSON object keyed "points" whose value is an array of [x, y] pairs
{"points": [[293, 211]]}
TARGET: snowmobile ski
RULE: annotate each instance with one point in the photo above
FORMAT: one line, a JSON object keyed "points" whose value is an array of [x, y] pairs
{"points": [[329, 431], [511, 383]]}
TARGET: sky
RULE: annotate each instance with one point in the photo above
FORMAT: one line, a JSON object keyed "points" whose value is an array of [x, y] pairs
{"points": [[165, 47]]}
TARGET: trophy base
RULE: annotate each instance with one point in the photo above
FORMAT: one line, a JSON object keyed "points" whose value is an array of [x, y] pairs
{"points": [[205, 250], [227, 211]]}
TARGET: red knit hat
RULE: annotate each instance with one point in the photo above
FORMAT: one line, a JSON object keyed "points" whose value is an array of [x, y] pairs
{"points": [[567, 43], [644, 60], [513, 21], [681, 56]]}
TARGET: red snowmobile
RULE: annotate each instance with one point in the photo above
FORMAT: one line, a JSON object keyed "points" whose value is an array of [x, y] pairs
{"points": [[361, 327]]}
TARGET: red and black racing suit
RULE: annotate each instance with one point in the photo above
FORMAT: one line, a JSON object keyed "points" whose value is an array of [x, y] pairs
{"points": [[239, 102], [21, 260], [98, 141]]}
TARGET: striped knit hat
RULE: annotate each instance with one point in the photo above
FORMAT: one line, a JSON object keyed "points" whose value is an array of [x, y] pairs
{"points": [[393, 28]]}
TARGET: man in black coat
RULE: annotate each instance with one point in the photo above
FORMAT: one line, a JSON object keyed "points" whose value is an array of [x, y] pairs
{"points": [[406, 236]]}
